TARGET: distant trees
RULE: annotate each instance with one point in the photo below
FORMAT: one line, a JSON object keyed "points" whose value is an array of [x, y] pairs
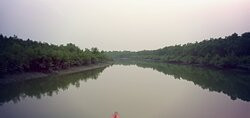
{"points": [[230, 52], [17, 55]]}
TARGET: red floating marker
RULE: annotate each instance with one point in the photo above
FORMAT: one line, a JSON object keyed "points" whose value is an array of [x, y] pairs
{"points": [[115, 115]]}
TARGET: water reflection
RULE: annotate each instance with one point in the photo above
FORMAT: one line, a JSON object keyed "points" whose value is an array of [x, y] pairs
{"points": [[45, 86], [232, 83]]}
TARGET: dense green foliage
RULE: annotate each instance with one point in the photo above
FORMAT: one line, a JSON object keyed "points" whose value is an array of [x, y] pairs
{"points": [[17, 55], [229, 52]]}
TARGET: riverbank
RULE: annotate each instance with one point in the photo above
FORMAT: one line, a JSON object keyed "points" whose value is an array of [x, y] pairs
{"points": [[239, 68], [18, 77]]}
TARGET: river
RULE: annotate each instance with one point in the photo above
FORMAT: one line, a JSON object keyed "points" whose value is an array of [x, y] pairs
{"points": [[135, 90]]}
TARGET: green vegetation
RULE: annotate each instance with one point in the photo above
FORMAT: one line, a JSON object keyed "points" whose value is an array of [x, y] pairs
{"points": [[19, 55], [229, 52]]}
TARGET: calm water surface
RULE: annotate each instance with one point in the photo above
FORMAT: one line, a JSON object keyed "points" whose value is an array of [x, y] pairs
{"points": [[135, 90]]}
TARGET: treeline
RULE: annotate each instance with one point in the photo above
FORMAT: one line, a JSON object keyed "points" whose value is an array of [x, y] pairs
{"points": [[230, 52], [17, 55]]}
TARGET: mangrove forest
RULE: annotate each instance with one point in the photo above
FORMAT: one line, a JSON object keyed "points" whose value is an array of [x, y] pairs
{"points": [[19, 55]]}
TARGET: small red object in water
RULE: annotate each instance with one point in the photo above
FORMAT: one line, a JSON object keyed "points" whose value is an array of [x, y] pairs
{"points": [[116, 115]]}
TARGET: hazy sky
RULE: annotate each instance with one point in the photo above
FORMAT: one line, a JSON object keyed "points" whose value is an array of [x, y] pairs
{"points": [[123, 24]]}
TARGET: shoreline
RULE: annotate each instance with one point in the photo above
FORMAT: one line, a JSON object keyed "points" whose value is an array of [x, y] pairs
{"points": [[237, 68], [10, 78]]}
